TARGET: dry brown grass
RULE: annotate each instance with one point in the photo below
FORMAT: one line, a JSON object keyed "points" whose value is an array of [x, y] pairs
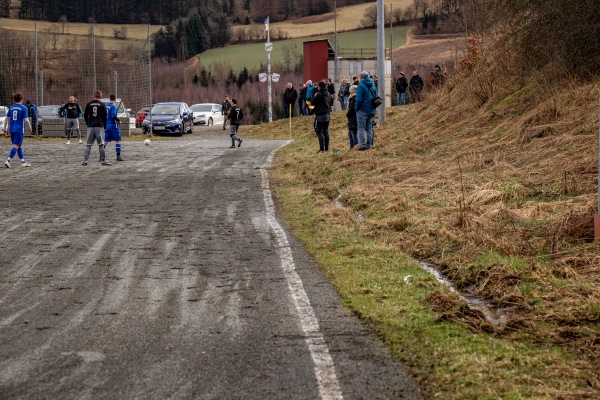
{"points": [[449, 184], [79, 31], [348, 19]]}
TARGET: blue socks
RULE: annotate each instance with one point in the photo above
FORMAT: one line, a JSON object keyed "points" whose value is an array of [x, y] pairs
{"points": [[118, 149], [12, 154], [20, 153]]}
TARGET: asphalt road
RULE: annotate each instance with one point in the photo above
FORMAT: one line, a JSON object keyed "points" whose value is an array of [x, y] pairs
{"points": [[169, 276]]}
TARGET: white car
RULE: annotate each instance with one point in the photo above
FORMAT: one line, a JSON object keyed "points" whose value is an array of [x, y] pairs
{"points": [[3, 111], [207, 114]]}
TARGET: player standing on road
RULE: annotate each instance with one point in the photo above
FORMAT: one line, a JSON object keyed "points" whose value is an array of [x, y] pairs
{"points": [[15, 122], [235, 115], [73, 111], [112, 131], [95, 118], [225, 108]]}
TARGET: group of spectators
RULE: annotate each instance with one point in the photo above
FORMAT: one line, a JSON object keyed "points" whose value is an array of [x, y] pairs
{"points": [[415, 86], [317, 98], [356, 98]]}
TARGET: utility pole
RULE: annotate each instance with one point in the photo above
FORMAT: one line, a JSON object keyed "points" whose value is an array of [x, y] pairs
{"points": [[269, 48], [381, 59], [37, 88], [335, 43], [391, 37], [94, 55]]}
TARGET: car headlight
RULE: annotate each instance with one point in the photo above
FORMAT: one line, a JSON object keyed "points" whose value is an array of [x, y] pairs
{"points": [[174, 121]]}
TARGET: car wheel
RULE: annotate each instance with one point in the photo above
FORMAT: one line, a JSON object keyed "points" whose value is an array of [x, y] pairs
{"points": [[181, 130], [210, 122], [191, 127]]}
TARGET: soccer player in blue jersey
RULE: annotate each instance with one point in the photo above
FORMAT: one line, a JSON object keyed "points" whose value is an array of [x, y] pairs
{"points": [[95, 118], [112, 131], [16, 119]]}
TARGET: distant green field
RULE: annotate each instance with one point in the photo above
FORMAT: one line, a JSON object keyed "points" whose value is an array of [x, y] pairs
{"points": [[252, 55]]}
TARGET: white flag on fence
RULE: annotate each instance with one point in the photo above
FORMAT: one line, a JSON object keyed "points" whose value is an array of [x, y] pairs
{"points": [[267, 24]]}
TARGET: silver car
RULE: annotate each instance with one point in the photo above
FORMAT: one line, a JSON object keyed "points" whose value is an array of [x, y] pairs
{"points": [[207, 114]]}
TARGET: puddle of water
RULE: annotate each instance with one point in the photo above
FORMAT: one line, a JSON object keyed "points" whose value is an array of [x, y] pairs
{"points": [[491, 313]]}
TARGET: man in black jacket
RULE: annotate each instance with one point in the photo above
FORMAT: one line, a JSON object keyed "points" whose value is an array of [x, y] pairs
{"points": [[415, 87], [401, 86], [322, 110], [95, 116], [289, 100]]}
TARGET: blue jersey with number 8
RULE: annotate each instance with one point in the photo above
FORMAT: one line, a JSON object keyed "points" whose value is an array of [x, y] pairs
{"points": [[17, 114]]}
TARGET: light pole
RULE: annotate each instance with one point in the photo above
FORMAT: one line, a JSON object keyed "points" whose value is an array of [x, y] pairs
{"points": [[381, 58]]}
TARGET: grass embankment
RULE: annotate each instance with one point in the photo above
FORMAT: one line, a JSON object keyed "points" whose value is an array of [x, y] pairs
{"points": [[501, 199]]}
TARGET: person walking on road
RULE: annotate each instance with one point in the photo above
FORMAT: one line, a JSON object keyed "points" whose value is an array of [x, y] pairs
{"points": [[95, 117], [225, 107], [365, 111], [289, 100], [322, 109], [112, 131], [72, 111], [14, 123], [235, 116]]}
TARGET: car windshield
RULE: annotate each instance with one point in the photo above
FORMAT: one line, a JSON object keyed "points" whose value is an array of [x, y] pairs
{"points": [[145, 110], [49, 111], [2, 112], [165, 110], [202, 108]]}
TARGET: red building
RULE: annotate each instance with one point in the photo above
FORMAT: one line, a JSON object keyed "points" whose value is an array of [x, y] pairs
{"points": [[316, 55]]}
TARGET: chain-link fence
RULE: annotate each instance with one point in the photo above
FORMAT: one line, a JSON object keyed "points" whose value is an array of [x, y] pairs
{"points": [[47, 68]]}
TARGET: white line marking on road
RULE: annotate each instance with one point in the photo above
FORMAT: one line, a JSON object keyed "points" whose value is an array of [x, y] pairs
{"points": [[329, 387]]}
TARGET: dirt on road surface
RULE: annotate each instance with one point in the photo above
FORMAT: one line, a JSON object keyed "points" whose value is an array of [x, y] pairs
{"points": [[168, 275]]}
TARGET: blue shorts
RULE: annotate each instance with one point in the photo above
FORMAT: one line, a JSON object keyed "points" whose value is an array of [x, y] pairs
{"points": [[111, 134], [17, 138]]}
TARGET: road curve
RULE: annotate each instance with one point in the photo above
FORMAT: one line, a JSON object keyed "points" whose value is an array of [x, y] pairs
{"points": [[169, 276]]}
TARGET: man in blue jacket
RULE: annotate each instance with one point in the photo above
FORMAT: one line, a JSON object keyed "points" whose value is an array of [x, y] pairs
{"points": [[365, 111]]}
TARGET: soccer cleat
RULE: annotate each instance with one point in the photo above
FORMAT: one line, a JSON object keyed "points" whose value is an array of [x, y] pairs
{"points": [[104, 162], [24, 165], [80, 141], [7, 164], [240, 143], [84, 162], [232, 146], [120, 159], [68, 142]]}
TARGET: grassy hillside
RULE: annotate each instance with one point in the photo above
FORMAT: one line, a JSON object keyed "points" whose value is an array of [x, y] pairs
{"points": [[253, 54], [500, 198], [348, 19], [136, 34]]}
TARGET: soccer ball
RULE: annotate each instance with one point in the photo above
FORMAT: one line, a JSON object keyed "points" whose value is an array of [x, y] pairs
{"points": [[147, 142]]}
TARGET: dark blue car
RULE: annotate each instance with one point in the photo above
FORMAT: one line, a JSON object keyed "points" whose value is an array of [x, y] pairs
{"points": [[173, 117]]}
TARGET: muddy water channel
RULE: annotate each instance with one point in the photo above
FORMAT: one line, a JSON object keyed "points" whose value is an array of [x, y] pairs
{"points": [[497, 317]]}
